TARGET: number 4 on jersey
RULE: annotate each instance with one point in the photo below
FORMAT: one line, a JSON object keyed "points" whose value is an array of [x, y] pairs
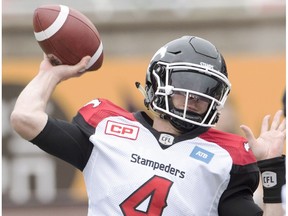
{"points": [[156, 190]]}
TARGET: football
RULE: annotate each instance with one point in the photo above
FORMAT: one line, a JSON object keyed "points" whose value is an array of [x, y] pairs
{"points": [[66, 35]]}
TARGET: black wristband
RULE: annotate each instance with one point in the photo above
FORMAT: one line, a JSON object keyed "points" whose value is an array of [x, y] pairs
{"points": [[273, 178]]}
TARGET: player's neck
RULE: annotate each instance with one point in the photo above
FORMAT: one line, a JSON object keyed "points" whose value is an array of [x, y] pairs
{"points": [[163, 125]]}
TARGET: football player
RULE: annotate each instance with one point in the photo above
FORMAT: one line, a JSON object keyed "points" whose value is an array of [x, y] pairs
{"points": [[173, 164]]}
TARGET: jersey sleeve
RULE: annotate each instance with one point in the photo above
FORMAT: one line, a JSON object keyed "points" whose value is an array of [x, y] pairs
{"points": [[237, 200], [65, 141]]}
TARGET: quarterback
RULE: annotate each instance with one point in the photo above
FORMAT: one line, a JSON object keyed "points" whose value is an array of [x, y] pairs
{"points": [[174, 164]]}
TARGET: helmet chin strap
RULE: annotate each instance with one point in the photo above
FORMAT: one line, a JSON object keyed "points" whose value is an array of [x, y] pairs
{"points": [[192, 115], [181, 125]]}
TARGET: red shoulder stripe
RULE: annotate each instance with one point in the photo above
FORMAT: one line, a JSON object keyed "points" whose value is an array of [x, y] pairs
{"points": [[234, 144], [99, 109]]}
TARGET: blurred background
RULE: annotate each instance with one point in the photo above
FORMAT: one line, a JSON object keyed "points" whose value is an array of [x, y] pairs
{"points": [[249, 33]]}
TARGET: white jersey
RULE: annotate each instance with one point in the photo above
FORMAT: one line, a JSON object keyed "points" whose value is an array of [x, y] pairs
{"points": [[129, 173]]}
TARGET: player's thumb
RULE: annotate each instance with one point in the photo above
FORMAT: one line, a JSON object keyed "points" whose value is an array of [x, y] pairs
{"points": [[248, 134], [82, 65]]}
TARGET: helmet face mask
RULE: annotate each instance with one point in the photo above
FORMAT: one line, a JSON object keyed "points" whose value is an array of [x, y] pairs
{"points": [[198, 80], [190, 80]]}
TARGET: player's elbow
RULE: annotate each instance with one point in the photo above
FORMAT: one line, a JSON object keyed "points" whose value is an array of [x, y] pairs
{"points": [[27, 125], [18, 121]]}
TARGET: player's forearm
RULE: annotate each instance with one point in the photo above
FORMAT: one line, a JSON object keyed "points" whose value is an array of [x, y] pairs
{"points": [[28, 117], [273, 209]]}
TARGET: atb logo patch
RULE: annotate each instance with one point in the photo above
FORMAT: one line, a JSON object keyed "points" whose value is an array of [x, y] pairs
{"points": [[166, 139], [201, 154], [121, 130], [269, 179]]}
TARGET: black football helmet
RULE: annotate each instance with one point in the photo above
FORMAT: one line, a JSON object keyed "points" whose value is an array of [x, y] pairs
{"points": [[191, 66]]}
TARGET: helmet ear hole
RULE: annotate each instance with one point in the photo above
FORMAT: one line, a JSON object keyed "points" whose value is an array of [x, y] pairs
{"points": [[159, 69]]}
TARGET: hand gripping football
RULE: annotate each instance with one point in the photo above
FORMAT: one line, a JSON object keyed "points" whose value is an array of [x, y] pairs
{"points": [[66, 36]]}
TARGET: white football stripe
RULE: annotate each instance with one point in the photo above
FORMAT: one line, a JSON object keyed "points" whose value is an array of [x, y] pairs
{"points": [[55, 26], [96, 56]]}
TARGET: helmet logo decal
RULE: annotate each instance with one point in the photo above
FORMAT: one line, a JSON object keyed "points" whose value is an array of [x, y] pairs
{"points": [[207, 65], [161, 52]]}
